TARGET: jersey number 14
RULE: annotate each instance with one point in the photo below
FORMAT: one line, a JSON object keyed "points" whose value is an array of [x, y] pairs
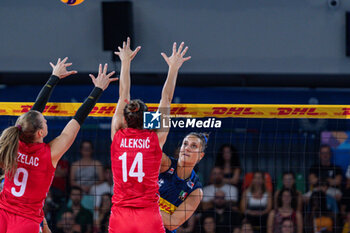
{"points": [[138, 161]]}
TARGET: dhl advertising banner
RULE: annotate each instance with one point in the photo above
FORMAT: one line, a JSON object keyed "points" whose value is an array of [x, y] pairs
{"points": [[195, 110]]}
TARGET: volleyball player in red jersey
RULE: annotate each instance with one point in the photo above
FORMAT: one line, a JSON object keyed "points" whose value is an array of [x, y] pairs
{"points": [[29, 163], [136, 152]]}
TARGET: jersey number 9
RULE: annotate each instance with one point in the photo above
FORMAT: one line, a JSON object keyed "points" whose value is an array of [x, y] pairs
{"points": [[22, 184]]}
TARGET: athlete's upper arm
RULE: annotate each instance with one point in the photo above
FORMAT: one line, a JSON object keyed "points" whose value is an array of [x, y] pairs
{"points": [[62, 143], [117, 120], [165, 163], [187, 208], [164, 109]]}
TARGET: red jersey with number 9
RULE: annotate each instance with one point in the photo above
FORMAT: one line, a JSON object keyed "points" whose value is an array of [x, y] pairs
{"points": [[24, 193], [136, 157]]}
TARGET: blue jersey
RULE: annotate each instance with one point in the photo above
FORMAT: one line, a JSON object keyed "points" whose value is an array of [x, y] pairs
{"points": [[173, 190]]}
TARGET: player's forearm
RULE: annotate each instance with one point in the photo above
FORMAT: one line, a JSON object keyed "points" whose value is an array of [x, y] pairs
{"points": [[170, 222], [124, 84], [45, 94], [89, 103], [166, 219], [169, 85]]}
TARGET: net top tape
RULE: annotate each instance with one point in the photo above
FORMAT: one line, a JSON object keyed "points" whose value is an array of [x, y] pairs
{"points": [[195, 110]]}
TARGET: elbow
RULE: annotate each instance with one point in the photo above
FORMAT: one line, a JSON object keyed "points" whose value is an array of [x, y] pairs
{"points": [[172, 227], [164, 103], [166, 100], [124, 95], [173, 223]]}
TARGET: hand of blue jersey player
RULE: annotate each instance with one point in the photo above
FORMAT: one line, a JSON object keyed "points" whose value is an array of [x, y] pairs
{"points": [[60, 69], [177, 57], [103, 79], [125, 53]]}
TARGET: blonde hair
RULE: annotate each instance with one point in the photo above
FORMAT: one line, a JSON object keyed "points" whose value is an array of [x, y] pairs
{"points": [[26, 127]]}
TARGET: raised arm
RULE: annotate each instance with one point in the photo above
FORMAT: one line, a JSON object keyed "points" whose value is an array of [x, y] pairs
{"points": [[126, 55], [63, 142], [174, 62], [59, 71], [183, 212]]}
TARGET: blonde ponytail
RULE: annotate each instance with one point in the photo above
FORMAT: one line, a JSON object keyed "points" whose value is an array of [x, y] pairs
{"points": [[9, 141], [26, 127]]}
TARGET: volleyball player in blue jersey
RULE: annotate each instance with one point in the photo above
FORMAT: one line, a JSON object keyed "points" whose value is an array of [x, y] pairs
{"points": [[179, 186]]}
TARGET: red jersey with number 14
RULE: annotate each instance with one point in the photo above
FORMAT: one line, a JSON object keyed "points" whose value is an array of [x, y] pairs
{"points": [[24, 193], [136, 157]]}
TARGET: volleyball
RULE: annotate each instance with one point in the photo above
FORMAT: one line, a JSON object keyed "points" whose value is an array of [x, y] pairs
{"points": [[72, 2]]}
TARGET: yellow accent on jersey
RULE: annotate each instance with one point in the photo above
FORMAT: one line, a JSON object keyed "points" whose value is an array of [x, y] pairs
{"points": [[166, 206]]}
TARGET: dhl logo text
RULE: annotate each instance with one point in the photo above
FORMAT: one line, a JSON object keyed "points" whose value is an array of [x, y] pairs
{"points": [[193, 110]]}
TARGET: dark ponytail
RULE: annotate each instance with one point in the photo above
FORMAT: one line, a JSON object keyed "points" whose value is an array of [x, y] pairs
{"points": [[133, 113]]}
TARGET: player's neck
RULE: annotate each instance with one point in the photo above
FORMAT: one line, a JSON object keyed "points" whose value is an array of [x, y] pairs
{"points": [[184, 172], [39, 140]]}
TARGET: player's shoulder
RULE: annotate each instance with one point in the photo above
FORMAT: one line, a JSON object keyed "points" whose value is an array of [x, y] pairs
{"points": [[172, 166], [173, 161], [196, 180], [197, 193]]}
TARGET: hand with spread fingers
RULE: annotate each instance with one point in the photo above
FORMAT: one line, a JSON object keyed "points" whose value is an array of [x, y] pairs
{"points": [[60, 69], [103, 79], [177, 57], [125, 53]]}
